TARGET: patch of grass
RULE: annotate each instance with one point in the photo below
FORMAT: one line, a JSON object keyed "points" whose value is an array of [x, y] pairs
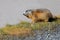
{"points": [[25, 28]]}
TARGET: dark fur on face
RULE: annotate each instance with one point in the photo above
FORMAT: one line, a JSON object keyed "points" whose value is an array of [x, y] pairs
{"points": [[27, 13]]}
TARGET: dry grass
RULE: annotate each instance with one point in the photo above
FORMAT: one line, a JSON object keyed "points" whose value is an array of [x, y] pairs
{"points": [[25, 28], [58, 16], [17, 31]]}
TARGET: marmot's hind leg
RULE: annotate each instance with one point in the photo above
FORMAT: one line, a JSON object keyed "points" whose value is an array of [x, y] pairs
{"points": [[46, 20]]}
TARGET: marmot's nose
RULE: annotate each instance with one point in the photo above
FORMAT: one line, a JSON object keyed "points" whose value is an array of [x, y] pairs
{"points": [[23, 14]]}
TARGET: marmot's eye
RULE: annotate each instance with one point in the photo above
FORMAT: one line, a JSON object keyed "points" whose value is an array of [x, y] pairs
{"points": [[28, 10]]}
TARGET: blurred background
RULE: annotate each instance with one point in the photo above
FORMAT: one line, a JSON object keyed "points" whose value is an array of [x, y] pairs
{"points": [[11, 11]]}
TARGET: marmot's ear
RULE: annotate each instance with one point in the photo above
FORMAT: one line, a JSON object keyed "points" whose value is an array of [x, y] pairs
{"points": [[32, 12], [37, 11]]}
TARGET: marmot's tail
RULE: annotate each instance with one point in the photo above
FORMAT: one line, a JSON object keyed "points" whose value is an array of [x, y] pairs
{"points": [[58, 17], [54, 18]]}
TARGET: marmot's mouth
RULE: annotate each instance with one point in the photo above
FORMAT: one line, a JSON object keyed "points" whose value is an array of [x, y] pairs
{"points": [[27, 16]]}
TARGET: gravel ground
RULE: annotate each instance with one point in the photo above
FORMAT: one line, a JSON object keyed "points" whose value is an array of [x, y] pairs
{"points": [[38, 35]]}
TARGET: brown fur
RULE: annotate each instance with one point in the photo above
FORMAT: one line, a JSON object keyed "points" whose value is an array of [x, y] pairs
{"points": [[39, 15]]}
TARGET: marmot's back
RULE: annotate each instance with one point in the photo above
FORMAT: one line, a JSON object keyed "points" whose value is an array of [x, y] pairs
{"points": [[41, 10], [42, 13]]}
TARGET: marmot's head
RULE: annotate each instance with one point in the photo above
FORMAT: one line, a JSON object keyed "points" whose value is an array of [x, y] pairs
{"points": [[28, 13]]}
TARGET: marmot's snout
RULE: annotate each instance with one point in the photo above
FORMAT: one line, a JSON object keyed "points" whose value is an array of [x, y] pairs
{"points": [[25, 14]]}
